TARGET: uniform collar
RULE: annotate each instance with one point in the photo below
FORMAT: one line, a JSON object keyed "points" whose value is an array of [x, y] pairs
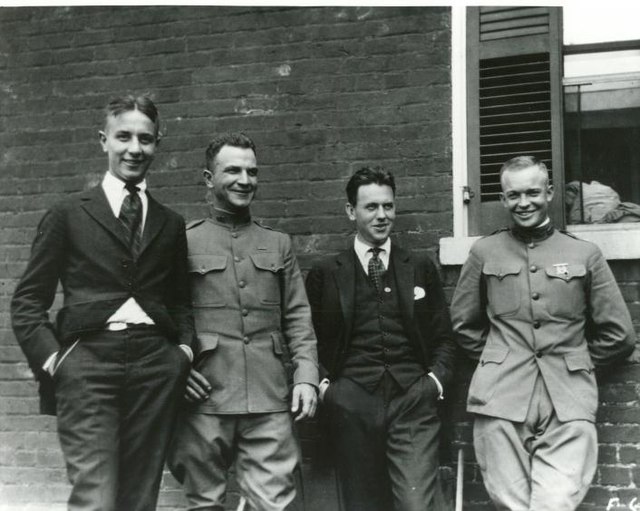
{"points": [[540, 233], [229, 219]]}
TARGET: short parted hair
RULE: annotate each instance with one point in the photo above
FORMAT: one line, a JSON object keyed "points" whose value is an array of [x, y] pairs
{"points": [[143, 103], [231, 139], [368, 176], [521, 163]]}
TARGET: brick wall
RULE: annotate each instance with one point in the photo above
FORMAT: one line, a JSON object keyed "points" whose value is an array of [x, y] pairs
{"points": [[321, 90]]}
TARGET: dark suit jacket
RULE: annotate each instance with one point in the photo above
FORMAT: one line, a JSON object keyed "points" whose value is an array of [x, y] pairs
{"points": [[83, 246], [331, 291]]}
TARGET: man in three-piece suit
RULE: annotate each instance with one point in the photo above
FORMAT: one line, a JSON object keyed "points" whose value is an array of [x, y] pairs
{"points": [[386, 353], [112, 358], [539, 309]]}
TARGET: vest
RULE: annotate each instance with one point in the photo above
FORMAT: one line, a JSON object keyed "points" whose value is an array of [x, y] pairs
{"points": [[379, 343]]}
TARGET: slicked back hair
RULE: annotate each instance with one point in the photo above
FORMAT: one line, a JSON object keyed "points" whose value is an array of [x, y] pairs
{"points": [[142, 103], [521, 163], [230, 139], [367, 176]]}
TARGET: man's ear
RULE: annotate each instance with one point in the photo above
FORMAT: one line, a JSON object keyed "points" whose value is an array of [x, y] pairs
{"points": [[103, 140], [503, 199], [550, 191], [348, 207], [208, 178]]}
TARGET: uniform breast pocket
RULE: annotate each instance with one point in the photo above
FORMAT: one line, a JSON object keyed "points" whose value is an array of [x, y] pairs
{"points": [[268, 266], [201, 268], [503, 291], [566, 295]]}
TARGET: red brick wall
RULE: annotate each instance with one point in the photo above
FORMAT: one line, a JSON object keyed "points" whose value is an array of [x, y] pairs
{"points": [[321, 90]]}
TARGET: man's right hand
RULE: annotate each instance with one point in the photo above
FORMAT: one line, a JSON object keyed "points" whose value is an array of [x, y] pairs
{"points": [[198, 388]]}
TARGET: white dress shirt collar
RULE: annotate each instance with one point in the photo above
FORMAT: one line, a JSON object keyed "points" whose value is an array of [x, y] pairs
{"points": [[116, 192], [363, 251]]}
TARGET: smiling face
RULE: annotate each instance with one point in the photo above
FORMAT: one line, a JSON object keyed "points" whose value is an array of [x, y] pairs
{"points": [[233, 179], [526, 193], [130, 141], [373, 213]]}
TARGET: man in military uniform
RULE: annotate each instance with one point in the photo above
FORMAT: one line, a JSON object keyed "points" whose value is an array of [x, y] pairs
{"points": [[251, 310], [539, 309]]}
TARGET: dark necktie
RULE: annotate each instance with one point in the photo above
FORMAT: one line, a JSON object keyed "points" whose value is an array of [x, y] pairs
{"points": [[376, 268], [131, 217]]}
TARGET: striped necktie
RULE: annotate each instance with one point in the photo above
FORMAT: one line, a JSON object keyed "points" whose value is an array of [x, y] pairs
{"points": [[131, 217]]}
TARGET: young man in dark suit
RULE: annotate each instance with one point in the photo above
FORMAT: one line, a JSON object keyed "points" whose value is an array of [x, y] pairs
{"points": [[386, 352], [113, 358]]}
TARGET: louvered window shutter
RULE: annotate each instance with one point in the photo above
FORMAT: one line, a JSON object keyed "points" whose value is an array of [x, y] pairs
{"points": [[514, 102]]}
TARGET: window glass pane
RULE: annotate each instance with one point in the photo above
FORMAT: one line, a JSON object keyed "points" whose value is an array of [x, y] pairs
{"points": [[602, 149], [585, 23]]}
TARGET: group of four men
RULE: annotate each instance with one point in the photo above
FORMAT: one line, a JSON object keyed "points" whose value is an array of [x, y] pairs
{"points": [[218, 312]]}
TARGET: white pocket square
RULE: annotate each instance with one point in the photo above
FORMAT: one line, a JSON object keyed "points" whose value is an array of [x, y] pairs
{"points": [[418, 293]]}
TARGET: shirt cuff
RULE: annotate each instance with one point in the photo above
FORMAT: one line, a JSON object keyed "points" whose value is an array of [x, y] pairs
{"points": [[439, 385], [47, 367], [322, 387], [187, 349]]}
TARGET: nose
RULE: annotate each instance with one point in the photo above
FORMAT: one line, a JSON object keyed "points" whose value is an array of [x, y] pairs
{"points": [[134, 146], [243, 177], [523, 201], [381, 212]]}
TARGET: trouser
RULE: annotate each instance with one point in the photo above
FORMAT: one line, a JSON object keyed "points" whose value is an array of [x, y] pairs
{"points": [[541, 464], [117, 396], [385, 445], [263, 446]]}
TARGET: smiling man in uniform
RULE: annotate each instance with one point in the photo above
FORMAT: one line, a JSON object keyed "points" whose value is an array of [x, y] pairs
{"points": [[251, 312], [540, 310]]}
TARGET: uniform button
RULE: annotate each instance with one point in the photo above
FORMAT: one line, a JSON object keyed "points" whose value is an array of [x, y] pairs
{"points": [[203, 269], [245, 340], [532, 245], [386, 350], [387, 290], [535, 296], [236, 259], [386, 366], [130, 284], [245, 312], [536, 324], [242, 283], [533, 268], [538, 354], [125, 264], [234, 234]]}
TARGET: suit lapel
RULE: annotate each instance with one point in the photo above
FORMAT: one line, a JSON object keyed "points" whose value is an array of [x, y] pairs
{"points": [[345, 281], [95, 203], [405, 280], [156, 218]]}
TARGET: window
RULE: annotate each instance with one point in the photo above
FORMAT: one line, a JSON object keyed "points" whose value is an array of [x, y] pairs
{"points": [[601, 83]]}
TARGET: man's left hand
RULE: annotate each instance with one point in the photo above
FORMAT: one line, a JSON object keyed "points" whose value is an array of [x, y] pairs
{"points": [[304, 401]]}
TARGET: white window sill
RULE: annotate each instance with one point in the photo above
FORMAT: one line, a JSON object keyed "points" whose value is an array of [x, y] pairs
{"points": [[617, 241]]}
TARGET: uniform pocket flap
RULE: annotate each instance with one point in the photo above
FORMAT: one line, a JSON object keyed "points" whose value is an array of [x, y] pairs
{"points": [[495, 355], [276, 337], [578, 362], [269, 261], [207, 342], [205, 263], [501, 270], [566, 271]]}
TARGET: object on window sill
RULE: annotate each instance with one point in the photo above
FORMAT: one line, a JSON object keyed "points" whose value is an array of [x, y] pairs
{"points": [[589, 203]]}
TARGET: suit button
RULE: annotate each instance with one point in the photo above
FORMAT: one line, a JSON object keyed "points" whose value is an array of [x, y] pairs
{"points": [[236, 259], [125, 264], [536, 324], [242, 283], [245, 340], [538, 354], [533, 268], [234, 234], [535, 296], [386, 366], [245, 312]]}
